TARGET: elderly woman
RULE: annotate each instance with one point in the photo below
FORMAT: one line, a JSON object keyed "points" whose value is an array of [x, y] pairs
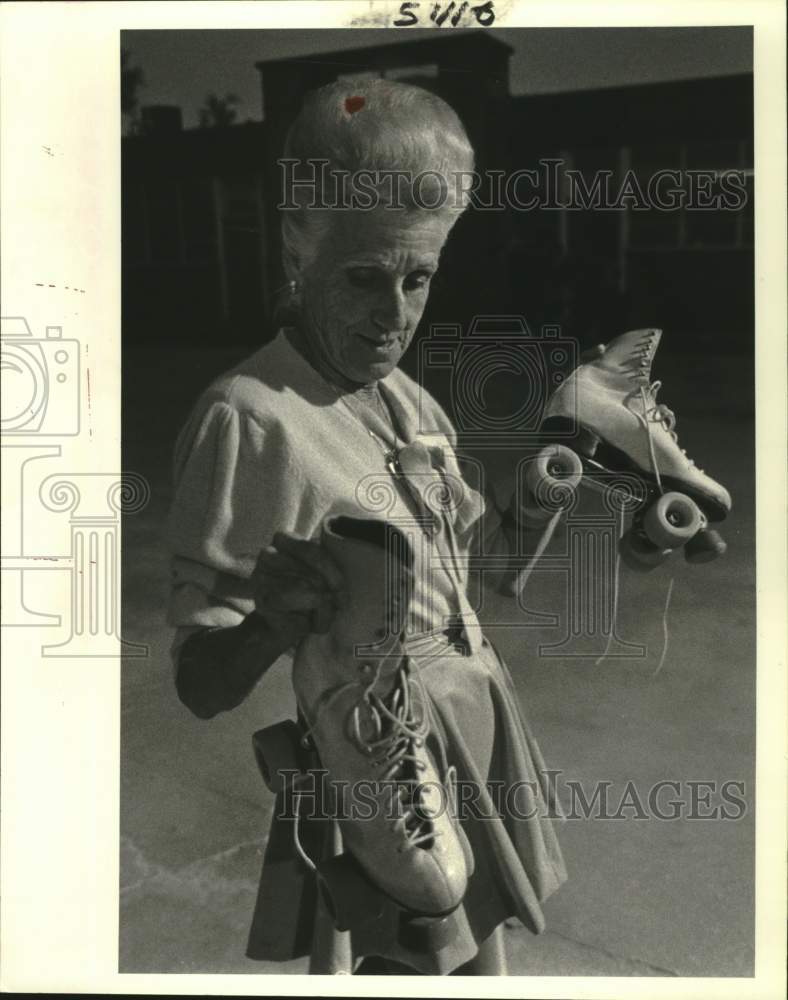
{"points": [[297, 430]]}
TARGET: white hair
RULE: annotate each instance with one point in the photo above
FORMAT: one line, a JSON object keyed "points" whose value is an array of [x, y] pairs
{"points": [[377, 126]]}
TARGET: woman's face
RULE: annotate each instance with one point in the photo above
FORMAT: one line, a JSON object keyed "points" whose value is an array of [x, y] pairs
{"points": [[365, 292]]}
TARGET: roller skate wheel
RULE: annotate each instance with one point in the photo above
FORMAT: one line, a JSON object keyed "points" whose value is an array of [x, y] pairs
{"points": [[555, 468], [672, 520], [427, 934], [639, 554], [706, 546], [348, 894], [277, 749]]}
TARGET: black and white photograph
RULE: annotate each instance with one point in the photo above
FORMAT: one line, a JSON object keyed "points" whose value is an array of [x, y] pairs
{"points": [[424, 549], [425, 336]]}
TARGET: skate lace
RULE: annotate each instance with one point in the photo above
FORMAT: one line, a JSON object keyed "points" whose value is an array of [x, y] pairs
{"points": [[397, 732], [653, 411], [657, 413], [544, 540], [616, 593]]}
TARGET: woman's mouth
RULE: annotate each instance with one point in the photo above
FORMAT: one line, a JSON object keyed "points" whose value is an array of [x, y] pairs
{"points": [[381, 345]]}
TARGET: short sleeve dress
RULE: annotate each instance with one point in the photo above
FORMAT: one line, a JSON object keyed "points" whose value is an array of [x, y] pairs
{"points": [[272, 446]]}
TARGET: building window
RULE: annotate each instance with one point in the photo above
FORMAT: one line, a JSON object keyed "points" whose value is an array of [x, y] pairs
{"points": [[656, 228], [197, 214], [705, 227], [693, 228], [163, 221]]}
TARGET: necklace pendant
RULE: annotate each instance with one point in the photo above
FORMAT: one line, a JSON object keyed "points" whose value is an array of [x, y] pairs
{"points": [[392, 463]]}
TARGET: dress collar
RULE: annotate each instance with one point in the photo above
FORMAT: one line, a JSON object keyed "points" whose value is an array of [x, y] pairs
{"points": [[406, 426]]}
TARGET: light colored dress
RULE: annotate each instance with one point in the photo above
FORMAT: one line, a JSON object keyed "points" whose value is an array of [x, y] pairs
{"points": [[272, 446]]}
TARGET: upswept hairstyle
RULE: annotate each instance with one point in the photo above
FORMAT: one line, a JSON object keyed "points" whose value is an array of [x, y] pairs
{"points": [[376, 126]]}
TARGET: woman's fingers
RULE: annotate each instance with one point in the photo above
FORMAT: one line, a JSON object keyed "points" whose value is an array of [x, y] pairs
{"points": [[323, 615], [294, 595], [291, 627], [297, 585], [313, 555], [296, 610], [272, 563]]}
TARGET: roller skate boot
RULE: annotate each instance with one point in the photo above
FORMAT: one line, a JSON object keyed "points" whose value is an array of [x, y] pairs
{"points": [[367, 718], [608, 407]]}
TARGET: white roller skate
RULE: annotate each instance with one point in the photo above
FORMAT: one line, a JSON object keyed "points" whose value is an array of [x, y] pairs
{"points": [[367, 719], [609, 409]]}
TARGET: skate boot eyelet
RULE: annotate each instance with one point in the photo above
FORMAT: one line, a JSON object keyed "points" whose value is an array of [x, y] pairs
{"points": [[373, 724], [622, 380]]}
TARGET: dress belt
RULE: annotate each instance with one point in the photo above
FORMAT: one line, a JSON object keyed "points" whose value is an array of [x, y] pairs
{"points": [[451, 640]]}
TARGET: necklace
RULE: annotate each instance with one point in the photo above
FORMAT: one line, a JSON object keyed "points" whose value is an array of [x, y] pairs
{"points": [[372, 392], [426, 517], [380, 407]]}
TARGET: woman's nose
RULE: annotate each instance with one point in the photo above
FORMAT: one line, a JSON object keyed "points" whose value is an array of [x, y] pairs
{"points": [[389, 313]]}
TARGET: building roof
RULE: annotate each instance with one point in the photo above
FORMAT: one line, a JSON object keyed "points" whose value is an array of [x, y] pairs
{"points": [[438, 47]]}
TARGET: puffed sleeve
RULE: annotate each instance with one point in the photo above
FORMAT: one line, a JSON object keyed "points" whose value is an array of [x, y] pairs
{"points": [[235, 485]]}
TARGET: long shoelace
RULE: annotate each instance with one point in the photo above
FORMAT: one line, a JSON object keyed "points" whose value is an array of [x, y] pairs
{"points": [[397, 732], [653, 412], [660, 413], [544, 540]]}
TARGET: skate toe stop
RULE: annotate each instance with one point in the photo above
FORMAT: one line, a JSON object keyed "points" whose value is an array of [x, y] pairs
{"points": [[705, 547], [427, 934]]}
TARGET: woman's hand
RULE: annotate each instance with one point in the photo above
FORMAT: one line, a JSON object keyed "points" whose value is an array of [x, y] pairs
{"points": [[297, 588]]}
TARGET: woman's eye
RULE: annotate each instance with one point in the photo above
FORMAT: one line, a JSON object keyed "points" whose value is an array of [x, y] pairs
{"points": [[371, 277], [361, 277], [417, 279]]}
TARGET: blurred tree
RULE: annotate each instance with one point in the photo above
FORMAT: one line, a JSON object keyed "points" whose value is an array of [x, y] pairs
{"points": [[218, 112], [132, 79]]}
